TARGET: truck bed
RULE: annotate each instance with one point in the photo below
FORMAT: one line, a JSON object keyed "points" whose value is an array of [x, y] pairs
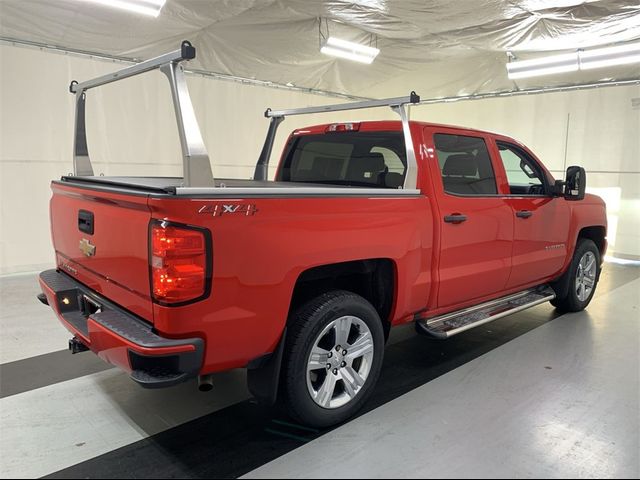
{"points": [[173, 186]]}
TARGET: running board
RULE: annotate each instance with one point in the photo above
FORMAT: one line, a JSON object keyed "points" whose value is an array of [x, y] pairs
{"points": [[447, 325]]}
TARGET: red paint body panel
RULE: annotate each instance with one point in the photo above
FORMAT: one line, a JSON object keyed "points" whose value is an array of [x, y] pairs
{"points": [[475, 254], [257, 258], [540, 243], [119, 270]]}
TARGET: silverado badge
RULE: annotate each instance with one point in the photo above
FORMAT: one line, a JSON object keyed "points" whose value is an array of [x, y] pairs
{"points": [[87, 248]]}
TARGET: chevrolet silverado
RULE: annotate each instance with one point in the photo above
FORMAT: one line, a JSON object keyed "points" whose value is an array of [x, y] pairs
{"points": [[366, 226]]}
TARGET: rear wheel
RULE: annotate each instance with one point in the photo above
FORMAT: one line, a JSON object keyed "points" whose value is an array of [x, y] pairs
{"points": [[583, 274], [333, 357]]}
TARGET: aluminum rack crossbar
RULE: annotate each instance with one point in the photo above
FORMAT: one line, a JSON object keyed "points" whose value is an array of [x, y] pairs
{"points": [[195, 159], [397, 104], [387, 102]]}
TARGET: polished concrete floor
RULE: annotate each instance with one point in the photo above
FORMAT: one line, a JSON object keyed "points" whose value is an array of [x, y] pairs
{"points": [[532, 395]]}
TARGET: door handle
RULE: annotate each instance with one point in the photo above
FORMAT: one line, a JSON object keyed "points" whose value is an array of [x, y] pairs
{"points": [[455, 218], [524, 214], [85, 221]]}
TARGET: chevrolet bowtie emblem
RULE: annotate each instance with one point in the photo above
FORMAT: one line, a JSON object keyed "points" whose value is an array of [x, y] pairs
{"points": [[87, 248]]}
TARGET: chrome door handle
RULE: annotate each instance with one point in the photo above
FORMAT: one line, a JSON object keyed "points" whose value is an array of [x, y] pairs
{"points": [[524, 214]]}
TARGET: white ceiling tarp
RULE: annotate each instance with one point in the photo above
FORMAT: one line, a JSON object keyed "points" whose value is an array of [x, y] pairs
{"points": [[438, 48]]}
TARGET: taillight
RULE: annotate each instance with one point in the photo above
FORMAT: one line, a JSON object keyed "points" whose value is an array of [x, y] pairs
{"points": [[179, 263], [343, 127]]}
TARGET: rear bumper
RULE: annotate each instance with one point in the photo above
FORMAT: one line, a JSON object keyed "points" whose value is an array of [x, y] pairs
{"points": [[118, 337]]}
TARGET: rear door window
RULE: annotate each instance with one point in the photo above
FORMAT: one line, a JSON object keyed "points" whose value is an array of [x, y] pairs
{"points": [[465, 165]]}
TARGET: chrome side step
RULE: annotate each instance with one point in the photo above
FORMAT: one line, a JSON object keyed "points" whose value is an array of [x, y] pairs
{"points": [[449, 324]]}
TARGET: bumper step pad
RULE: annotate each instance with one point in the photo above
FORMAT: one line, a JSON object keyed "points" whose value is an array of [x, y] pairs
{"points": [[445, 326], [157, 377]]}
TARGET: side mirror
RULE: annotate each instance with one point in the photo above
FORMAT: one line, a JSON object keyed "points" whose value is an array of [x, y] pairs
{"points": [[575, 183]]}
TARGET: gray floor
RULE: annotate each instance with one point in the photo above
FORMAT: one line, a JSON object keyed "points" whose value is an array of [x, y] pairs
{"points": [[26, 329], [46, 429], [561, 400]]}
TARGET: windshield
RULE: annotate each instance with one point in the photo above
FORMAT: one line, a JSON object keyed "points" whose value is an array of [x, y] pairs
{"points": [[368, 159]]}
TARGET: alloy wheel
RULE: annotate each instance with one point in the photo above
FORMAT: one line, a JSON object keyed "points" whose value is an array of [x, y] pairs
{"points": [[340, 362], [586, 276]]}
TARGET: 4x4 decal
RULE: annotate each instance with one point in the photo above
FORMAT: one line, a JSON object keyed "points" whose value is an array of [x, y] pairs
{"points": [[219, 209]]}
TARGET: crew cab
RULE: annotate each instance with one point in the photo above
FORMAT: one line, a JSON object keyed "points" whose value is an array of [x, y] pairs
{"points": [[367, 225]]}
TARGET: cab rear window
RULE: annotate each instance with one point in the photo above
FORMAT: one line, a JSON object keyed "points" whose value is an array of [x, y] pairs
{"points": [[368, 159]]}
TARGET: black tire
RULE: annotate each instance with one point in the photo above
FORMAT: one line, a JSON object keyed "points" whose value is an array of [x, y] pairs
{"points": [[570, 302], [305, 328]]}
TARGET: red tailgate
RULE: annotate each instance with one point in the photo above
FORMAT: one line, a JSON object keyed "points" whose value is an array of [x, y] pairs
{"points": [[113, 260]]}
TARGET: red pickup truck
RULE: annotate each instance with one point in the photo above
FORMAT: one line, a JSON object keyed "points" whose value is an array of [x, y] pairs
{"points": [[367, 225]]}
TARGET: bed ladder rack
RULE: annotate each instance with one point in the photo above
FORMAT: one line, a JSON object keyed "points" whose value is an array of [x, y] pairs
{"points": [[397, 104], [195, 159]]}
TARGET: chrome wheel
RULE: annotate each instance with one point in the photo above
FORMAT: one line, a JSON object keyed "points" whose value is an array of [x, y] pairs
{"points": [[586, 276], [340, 362]]}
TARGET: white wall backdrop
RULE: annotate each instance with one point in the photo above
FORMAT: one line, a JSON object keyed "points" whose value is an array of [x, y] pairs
{"points": [[131, 130]]}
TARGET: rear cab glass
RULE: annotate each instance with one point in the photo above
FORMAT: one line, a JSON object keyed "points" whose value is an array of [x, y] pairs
{"points": [[359, 159]]}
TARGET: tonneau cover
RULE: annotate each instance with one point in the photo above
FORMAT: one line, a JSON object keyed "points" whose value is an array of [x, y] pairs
{"points": [[168, 185]]}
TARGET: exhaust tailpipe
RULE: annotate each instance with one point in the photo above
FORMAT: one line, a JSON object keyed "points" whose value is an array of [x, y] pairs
{"points": [[205, 383]]}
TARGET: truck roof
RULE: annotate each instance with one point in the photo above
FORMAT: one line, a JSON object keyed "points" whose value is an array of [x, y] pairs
{"points": [[389, 125]]}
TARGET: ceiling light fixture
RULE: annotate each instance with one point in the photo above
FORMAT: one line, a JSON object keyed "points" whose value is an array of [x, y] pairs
{"points": [[349, 50], [145, 7], [610, 56], [572, 62], [336, 47], [567, 62]]}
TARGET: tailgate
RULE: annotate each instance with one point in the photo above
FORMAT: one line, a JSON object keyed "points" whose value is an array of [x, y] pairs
{"points": [[101, 239]]}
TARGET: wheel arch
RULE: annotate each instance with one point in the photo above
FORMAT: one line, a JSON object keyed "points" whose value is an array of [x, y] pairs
{"points": [[374, 279], [597, 234]]}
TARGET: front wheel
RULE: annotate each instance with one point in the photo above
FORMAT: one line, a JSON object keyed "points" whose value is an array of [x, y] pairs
{"points": [[583, 273], [333, 357]]}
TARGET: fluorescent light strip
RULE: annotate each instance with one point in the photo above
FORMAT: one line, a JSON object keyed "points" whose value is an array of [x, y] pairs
{"points": [[355, 47], [336, 52], [567, 62], [610, 56], [571, 62], [145, 7], [349, 50]]}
